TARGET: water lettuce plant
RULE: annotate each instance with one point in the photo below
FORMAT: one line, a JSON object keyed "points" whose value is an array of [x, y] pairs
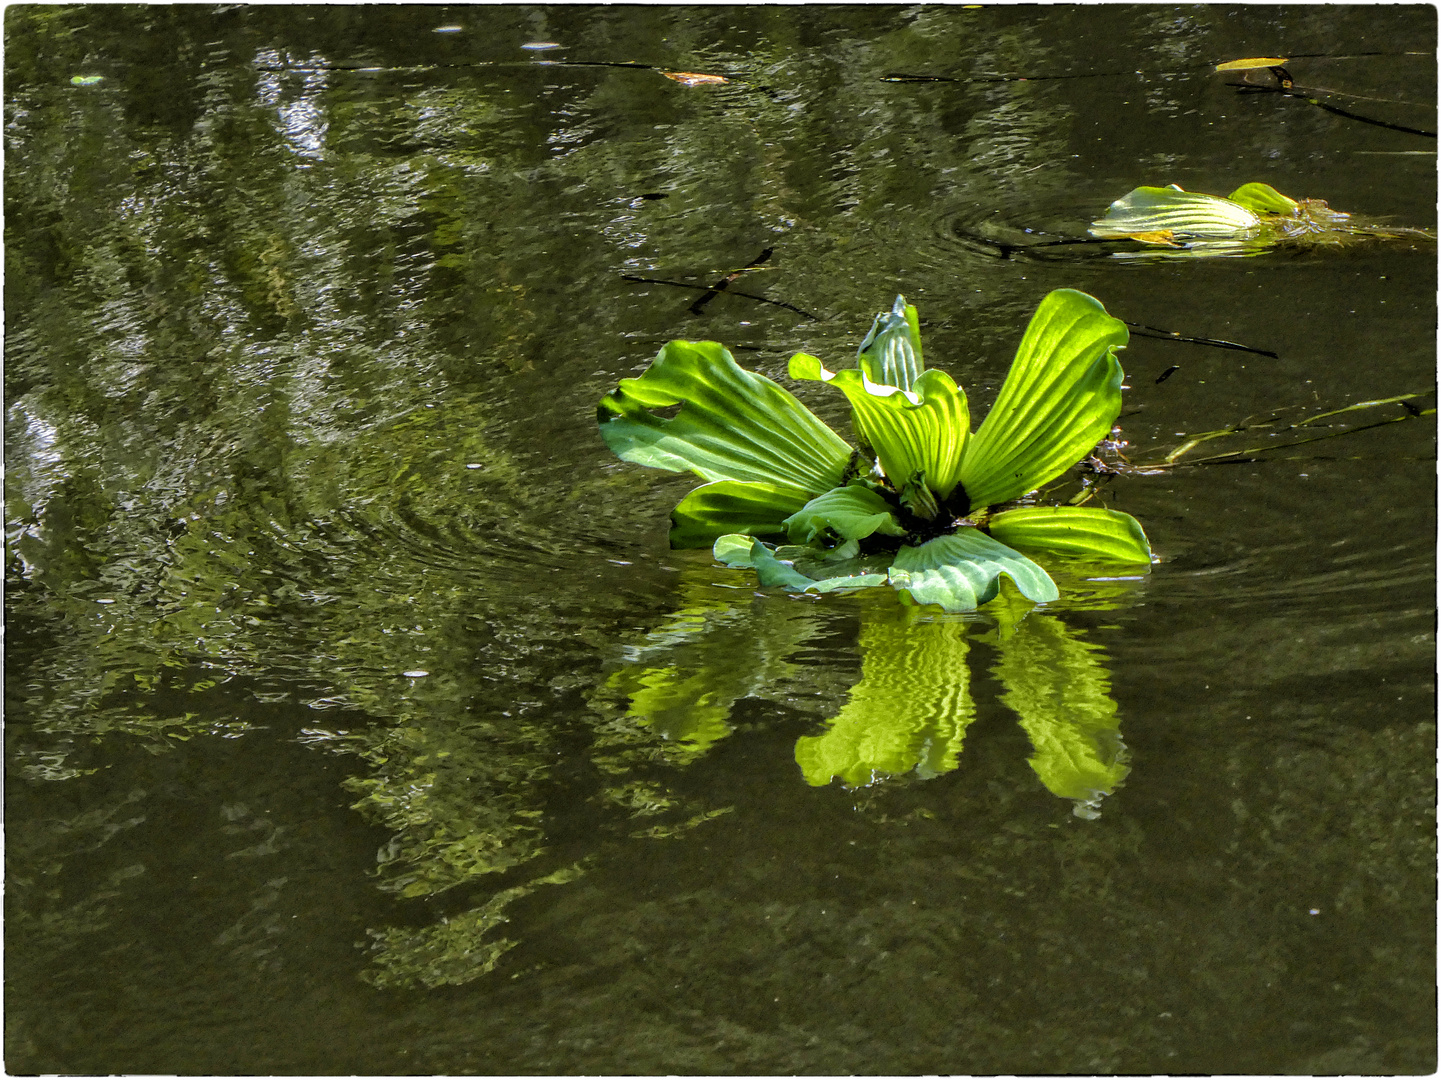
{"points": [[921, 503], [1251, 219]]}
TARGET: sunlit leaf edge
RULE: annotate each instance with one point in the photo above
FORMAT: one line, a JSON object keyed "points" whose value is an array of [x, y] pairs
{"points": [[1059, 399], [1078, 531]]}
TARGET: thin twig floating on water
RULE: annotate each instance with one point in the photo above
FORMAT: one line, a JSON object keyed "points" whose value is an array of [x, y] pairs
{"points": [[706, 288], [1157, 334], [724, 283], [1286, 87], [1173, 459], [1364, 119], [910, 77]]}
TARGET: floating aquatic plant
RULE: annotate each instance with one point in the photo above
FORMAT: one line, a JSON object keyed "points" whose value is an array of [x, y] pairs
{"points": [[922, 502], [1251, 219]]}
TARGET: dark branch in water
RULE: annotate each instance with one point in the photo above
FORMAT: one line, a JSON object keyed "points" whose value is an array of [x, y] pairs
{"points": [[1287, 87], [1157, 334], [724, 283], [1005, 250], [706, 288], [1364, 119]]}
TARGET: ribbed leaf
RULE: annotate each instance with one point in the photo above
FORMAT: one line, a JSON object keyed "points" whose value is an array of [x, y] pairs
{"points": [[852, 513], [1082, 531], [891, 352], [730, 506], [910, 709], [1059, 399], [1058, 686], [1263, 199], [924, 429], [1183, 214], [734, 425], [962, 571]]}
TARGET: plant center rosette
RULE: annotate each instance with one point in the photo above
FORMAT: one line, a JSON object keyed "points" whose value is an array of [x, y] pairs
{"points": [[922, 503]]}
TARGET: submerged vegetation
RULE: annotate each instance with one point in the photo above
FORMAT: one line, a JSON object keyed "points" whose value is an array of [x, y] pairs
{"points": [[922, 503], [1250, 220]]}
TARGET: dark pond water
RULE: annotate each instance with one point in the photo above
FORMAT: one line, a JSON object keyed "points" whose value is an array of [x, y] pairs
{"points": [[361, 721]]}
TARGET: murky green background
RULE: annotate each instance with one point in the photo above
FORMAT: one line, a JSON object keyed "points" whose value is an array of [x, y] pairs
{"points": [[307, 313]]}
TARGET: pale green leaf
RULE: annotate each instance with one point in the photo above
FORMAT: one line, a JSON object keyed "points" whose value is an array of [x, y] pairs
{"points": [[734, 424], [1058, 686], [1079, 531], [851, 513], [1183, 214], [962, 571], [910, 709], [731, 506], [924, 429], [733, 549], [777, 573], [891, 352], [1059, 399], [1263, 199]]}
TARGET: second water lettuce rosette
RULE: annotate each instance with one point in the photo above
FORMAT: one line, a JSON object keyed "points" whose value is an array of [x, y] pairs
{"points": [[921, 502]]}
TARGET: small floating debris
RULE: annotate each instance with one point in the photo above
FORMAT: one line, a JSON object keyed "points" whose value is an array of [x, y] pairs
{"points": [[448, 29], [1252, 63], [541, 46], [416, 674], [475, 465], [105, 600], [86, 80], [690, 78]]}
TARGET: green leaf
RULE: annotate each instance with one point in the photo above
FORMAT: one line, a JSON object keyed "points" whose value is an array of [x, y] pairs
{"points": [[1059, 399], [734, 424], [1058, 686], [1083, 531], [1183, 214], [891, 352], [962, 571], [852, 513], [86, 80], [731, 506], [775, 573], [1263, 199], [734, 549], [910, 709], [924, 429]]}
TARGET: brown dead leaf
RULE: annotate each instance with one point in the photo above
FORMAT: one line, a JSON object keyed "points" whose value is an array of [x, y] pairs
{"points": [[1161, 236], [690, 78]]}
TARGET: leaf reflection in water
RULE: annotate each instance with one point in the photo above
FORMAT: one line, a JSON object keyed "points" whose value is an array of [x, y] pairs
{"points": [[909, 709]]}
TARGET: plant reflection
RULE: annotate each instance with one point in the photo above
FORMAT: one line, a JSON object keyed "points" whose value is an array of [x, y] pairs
{"points": [[909, 709]]}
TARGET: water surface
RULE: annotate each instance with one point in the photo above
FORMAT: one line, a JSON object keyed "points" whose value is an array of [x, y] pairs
{"points": [[332, 620]]}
